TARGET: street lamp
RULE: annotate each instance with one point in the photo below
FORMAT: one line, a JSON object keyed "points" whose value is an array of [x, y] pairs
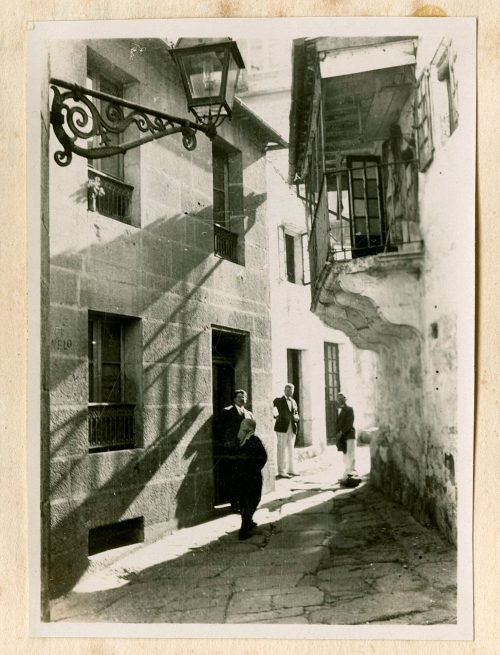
{"points": [[209, 70]]}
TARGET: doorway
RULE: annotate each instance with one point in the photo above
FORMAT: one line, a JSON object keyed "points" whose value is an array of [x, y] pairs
{"points": [[293, 360], [332, 387], [230, 371]]}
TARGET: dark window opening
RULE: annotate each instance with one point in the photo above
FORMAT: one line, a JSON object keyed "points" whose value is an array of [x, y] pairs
{"points": [[113, 383], [116, 535], [290, 257]]}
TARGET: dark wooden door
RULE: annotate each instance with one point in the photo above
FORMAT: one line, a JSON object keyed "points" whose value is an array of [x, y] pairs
{"points": [[222, 396]]}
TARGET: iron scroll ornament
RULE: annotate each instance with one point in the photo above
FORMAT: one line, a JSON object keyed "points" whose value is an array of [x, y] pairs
{"points": [[74, 115]]}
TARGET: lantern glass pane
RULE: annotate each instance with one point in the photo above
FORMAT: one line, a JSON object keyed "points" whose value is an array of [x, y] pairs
{"points": [[232, 81], [204, 74]]}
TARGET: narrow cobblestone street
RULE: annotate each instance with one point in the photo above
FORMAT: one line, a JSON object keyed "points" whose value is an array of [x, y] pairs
{"points": [[321, 555]]}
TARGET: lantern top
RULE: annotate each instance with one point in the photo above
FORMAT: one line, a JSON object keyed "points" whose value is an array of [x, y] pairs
{"points": [[208, 43]]}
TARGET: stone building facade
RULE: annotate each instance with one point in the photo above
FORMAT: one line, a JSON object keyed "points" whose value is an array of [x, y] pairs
{"points": [[374, 146], [158, 303]]}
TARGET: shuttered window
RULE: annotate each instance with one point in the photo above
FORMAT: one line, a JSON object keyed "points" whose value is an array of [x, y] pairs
{"points": [[423, 120]]}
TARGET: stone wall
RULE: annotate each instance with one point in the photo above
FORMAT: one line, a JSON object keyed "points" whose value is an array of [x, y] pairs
{"points": [[425, 476], [162, 273]]}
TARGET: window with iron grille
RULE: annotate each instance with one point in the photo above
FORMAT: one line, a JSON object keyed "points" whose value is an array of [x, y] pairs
{"points": [[423, 120], [227, 200], [109, 191], [113, 383]]}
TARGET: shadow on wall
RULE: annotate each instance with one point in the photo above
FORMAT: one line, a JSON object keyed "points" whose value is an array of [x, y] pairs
{"points": [[130, 472], [101, 488]]}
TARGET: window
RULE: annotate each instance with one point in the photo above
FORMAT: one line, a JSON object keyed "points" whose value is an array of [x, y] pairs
{"points": [[98, 82], [227, 201], [367, 223], [294, 257], [221, 187], [109, 192], [446, 73], [113, 381], [423, 120], [290, 257]]}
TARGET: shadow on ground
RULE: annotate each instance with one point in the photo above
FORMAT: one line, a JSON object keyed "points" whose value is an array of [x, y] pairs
{"points": [[319, 556]]}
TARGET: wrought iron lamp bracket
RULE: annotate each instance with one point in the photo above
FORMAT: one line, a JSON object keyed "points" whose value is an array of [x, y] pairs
{"points": [[74, 115]]}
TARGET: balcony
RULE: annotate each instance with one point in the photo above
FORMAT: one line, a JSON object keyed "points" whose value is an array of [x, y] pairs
{"points": [[366, 252], [362, 211], [111, 426], [225, 243], [109, 196]]}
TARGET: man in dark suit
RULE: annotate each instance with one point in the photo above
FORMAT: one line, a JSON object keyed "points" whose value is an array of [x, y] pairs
{"points": [[346, 435], [250, 461], [286, 413], [229, 425]]}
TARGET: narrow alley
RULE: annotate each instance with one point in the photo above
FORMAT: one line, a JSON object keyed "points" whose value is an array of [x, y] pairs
{"points": [[321, 555]]}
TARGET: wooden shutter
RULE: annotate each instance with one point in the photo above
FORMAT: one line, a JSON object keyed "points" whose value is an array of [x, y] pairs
{"points": [[423, 121]]}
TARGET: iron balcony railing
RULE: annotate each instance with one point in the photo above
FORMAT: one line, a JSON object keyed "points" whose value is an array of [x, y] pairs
{"points": [[111, 426], [109, 196], [225, 243], [364, 210]]}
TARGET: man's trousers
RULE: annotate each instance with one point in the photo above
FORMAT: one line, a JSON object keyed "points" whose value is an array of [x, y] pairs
{"points": [[286, 443]]}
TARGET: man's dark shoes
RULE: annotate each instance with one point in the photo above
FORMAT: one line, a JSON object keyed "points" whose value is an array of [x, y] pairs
{"points": [[284, 476], [244, 534]]}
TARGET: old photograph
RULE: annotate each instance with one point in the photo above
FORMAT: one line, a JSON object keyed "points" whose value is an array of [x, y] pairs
{"points": [[253, 293]]}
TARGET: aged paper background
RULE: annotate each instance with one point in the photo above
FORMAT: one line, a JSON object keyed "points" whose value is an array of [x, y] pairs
{"points": [[16, 16]]}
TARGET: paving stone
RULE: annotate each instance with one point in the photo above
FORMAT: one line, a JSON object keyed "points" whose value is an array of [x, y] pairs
{"points": [[300, 523], [303, 559], [377, 569], [390, 554], [298, 539], [206, 615], [269, 581], [433, 617], [261, 617], [345, 543], [351, 508], [360, 523], [372, 608], [245, 602], [198, 572], [253, 571], [341, 574], [298, 598], [333, 586], [293, 620], [77, 604], [401, 581]]}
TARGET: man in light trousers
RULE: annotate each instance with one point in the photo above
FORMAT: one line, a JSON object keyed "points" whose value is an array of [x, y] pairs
{"points": [[346, 436], [286, 413]]}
